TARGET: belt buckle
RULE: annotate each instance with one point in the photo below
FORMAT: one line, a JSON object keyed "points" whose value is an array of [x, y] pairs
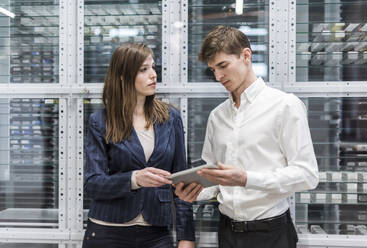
{"points": [[239, 226]]}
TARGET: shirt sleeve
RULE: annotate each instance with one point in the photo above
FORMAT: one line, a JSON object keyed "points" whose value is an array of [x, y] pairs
{"points": [[185, 227], [301, 172], [208, 156], [134, 183], [98, 183]]}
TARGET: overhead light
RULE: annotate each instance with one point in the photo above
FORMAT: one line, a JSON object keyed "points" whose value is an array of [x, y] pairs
{"points": [[123, 32], [7, 12], [239, 7], [253, 31]]}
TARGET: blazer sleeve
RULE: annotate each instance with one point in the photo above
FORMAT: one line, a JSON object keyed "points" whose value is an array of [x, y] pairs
{"points": [[98, 183], [185, 227]]}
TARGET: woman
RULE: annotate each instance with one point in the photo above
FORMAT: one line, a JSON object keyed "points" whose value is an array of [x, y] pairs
{"points": [[132, 146]]}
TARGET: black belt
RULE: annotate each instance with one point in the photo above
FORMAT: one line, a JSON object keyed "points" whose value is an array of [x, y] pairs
{"points": [[257, 225]]}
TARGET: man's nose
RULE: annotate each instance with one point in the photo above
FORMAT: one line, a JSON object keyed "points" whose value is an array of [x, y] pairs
{"points": [[218, 76]]}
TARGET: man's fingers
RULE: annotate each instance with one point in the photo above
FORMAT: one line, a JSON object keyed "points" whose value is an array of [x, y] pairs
{"points": [[179, 186], [222, 166], [215, 179], [210, 178], [193, 193], [189, 188], [196, 192], [211, 173], [178, 190], [188, 193]]}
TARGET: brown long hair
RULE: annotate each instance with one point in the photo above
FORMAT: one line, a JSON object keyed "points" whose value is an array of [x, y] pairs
{"points": [[119, 93]]}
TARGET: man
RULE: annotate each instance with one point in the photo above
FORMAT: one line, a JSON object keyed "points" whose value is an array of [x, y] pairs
{"points": [[261, 142]]}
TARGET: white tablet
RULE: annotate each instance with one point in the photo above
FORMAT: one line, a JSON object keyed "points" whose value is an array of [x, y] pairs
{"points": [[190, 175]]}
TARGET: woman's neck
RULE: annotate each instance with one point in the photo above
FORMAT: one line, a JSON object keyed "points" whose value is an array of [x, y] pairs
{"points": [[139, 108], [139, 121]]}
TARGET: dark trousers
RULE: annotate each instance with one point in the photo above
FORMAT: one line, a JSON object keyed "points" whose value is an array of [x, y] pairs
{"points": [[267, 233], [100, 236]]}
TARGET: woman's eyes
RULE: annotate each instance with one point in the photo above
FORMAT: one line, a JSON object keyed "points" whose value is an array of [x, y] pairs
{"points": [[144, 69]]}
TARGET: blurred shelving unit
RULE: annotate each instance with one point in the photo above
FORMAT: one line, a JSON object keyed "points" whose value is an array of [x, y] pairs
{"points": [[107, 25], [203, 15], [53, 59], [331, 41], [30, 42]]}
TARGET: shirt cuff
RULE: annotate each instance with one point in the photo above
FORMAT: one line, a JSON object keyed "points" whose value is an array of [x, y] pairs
{"points": [[254, 179], [208, 193], [134, 184]]}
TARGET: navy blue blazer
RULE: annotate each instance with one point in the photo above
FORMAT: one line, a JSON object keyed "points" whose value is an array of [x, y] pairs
{"points": [[108, 169]]}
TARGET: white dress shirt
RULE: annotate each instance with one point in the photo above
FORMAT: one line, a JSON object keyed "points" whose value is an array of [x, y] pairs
{"points": [[269, 137]]}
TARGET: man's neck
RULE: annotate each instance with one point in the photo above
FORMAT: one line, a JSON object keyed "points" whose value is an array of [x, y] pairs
{"points": [[236, 94]]}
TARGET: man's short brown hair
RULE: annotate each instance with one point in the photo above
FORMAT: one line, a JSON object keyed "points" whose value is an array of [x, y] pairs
{"points": [[223, 39]]}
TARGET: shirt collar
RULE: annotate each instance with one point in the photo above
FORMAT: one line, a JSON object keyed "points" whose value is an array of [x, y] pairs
{"points": [[249, 94]]}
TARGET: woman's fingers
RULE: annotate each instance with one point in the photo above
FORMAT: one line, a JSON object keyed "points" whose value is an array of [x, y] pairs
{"points": [[152, 177], [159, 179], [158, 171]]}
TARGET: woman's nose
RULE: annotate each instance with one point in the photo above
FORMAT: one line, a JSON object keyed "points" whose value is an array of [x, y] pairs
{"points": [[153, 74]]}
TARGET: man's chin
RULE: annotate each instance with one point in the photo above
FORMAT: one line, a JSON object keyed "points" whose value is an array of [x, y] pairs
{"points": [[228, 88]]}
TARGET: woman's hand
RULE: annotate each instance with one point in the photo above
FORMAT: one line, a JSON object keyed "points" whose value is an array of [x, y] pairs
{"points": [[152, 177]]}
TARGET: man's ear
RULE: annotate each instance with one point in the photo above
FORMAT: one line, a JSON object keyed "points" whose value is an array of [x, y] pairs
{"points": [[246, 54]]}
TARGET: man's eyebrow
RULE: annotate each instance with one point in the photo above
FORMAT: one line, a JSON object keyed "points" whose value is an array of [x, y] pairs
{"points": [[220, 63]]}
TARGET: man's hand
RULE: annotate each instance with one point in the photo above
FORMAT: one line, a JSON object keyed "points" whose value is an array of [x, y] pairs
{"points": [[186, 244], [226, 175], [152, 177], [188, 193]]}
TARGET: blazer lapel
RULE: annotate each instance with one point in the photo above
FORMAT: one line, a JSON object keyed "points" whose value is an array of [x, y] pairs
{"points": [[136, 148], [162, 132]]}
